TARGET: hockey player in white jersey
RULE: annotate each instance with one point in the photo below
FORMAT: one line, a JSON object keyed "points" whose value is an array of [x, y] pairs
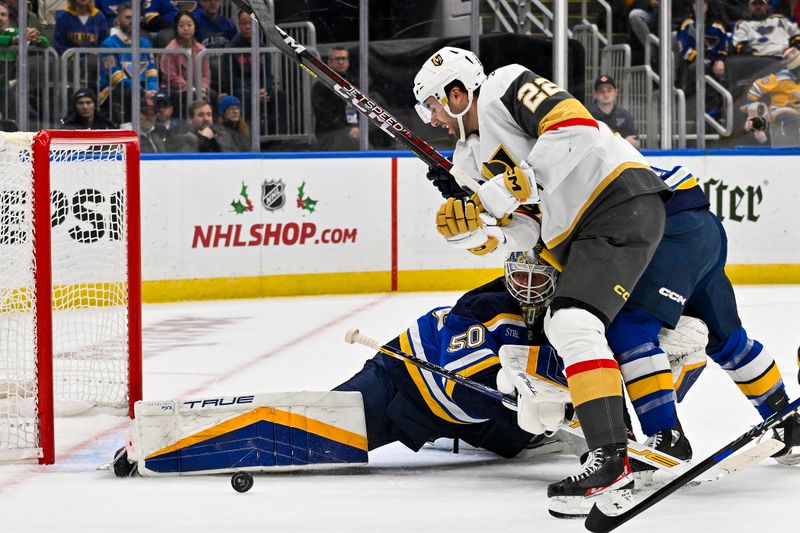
{"points": [[602, 216]]}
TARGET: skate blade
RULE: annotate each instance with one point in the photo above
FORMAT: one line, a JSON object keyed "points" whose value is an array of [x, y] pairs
{"points": [[611, 502], [790, 459]]}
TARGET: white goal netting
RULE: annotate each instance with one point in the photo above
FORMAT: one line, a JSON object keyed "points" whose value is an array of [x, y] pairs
{"points": [[89, 261]]}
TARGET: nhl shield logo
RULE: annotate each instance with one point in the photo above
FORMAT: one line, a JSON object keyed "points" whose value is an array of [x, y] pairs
{"points": [[272, 196], [437, 60]]}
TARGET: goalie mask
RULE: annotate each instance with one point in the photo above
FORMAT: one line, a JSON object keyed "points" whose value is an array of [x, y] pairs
{"points": [[440, 70], [531, 282]]}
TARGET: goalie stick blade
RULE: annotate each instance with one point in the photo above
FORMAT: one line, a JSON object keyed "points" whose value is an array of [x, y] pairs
{"points": [[599, 522], [263, 11]]}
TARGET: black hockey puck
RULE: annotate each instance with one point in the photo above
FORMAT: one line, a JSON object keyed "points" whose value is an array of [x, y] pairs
{"points": [[242, 481]]}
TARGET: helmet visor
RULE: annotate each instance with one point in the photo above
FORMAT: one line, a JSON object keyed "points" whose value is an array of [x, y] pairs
{"points": [[424, 111]]}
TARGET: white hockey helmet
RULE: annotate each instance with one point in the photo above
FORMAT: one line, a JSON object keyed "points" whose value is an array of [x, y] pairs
{"points": [[443, 68], [440, 70], [530, 281]]}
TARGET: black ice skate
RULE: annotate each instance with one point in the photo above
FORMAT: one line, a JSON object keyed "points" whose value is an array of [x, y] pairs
{"points": [[788, 432], [669, 441], [606, 479], [122, 466]]}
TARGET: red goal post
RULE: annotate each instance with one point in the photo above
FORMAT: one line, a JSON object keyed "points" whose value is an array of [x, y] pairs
{"points": [[70, 282]]}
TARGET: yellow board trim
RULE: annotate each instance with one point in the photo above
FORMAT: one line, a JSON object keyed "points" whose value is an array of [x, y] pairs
{"points": [[754, 274], [416, 376], [589, 201], [470, 371], [316, 284], [763, 384], [276, 416], [180, 290]]}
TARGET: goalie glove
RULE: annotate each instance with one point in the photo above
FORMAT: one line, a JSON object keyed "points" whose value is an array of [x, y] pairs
{"points": [[505, 192], [541, 406], [464, 225]]}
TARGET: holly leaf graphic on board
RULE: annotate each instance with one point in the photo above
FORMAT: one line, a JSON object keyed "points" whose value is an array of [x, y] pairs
{"points": [[243, 205], [308, 205], [238, 207], [303, 201]]}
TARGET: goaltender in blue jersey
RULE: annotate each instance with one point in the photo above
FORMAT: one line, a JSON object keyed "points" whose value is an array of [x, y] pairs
{"points": [[404, 403]]}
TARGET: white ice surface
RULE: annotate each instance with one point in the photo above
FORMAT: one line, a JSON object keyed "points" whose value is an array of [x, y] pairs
{"points": [[285, 344]]}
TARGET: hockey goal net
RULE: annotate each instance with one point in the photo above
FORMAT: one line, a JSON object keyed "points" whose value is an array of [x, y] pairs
{"points": [[70, 282]]}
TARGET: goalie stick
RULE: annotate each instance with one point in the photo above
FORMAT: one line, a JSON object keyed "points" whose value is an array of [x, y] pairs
{"points": [[641, 452], [262, 11], [599, 522]]}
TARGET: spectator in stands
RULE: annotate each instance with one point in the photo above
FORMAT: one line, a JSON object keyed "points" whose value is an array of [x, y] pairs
{"points": [[167, 126], [237, 73], [605, 109], [34, 19], [80, 25], [231, 120], [83, 114], [764, 34], [150, 139], [643, 18], [48, 9], [214, 30], [9, 37], [336, 120], [9, 41], [773, 111], [202, 135], [116, 83], [156, 14], [716, 49], [175, 67]]}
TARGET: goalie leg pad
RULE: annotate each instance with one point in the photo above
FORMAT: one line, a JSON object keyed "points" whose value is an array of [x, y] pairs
{"points": [[256, 432]]}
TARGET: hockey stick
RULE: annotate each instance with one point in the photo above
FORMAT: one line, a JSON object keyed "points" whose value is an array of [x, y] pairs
{"points": [[599, 522], [262, 11], [641, 452], [353, 336]]}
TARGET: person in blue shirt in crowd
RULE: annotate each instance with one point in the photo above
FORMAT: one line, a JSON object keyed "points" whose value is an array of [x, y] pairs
{"points": [[116, 76], [717, 47], [156, 14], [80, 25], [214, 30]]}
